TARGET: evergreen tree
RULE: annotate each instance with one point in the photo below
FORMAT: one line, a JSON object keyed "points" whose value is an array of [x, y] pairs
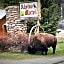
{"points": [[50, 16], [11, 2]]}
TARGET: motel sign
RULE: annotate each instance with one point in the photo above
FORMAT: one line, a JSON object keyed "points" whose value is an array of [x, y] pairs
{"points": [[28, 10]]}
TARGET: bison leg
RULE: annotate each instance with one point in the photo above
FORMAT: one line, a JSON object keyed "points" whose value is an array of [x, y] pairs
{"points": [[54, 48], [45, 49]]}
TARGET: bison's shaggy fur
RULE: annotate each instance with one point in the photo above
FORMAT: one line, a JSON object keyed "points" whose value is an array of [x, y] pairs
{"points": [[41, 42], [16, 41]]}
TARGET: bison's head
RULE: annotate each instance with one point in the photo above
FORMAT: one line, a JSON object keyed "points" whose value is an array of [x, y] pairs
{"points": [[31, 49]]}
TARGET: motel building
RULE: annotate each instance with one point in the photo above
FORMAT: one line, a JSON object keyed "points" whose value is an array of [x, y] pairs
{"points": [[3, 30]]}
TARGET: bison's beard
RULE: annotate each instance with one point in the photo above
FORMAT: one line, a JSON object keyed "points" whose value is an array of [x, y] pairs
{"points": [[31, 49]]}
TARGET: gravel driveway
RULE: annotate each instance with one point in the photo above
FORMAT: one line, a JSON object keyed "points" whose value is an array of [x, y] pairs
{"points": [[56, 60]]}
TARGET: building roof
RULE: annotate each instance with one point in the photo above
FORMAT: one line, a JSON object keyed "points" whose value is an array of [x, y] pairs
{"points": [[2, 13]]}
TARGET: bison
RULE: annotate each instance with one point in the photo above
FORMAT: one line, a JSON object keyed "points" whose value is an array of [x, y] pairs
{"points": [[41, 42]]}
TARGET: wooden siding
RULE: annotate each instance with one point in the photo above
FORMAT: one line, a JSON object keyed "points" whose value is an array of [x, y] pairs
{"points": [[2, 29]]}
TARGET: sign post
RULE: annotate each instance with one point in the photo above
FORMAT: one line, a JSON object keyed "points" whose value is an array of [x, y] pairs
{"points": [[39, 16]]}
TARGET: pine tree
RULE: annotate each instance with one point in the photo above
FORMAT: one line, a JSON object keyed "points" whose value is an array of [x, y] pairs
{"points": [[50, 16]]}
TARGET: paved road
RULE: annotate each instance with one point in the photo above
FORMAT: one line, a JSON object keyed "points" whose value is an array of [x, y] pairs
{"points": [[56, 60]]}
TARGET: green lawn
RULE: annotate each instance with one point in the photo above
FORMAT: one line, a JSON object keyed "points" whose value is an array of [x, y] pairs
{"points": [[59, 49], [9, 55]]}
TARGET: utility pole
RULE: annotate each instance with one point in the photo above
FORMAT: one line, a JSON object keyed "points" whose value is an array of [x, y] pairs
{"points": [[61, 12], [39, 16]]}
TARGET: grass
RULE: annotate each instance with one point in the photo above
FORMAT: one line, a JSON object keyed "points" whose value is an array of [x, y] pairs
{"points": [[59, 49], [1, 5], [17, 56], [9, 55]]}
